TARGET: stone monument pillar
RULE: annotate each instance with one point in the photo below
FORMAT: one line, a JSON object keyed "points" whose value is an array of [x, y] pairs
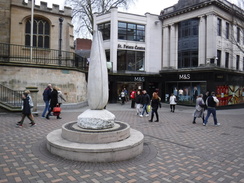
{"points": [[97, 117]]}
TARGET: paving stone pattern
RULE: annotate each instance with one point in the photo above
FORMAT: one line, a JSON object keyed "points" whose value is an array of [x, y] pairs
{"points": [[175, 150]]}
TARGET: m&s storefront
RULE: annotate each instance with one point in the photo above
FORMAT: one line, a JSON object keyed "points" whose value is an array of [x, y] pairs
{"points": [[228, 86]]}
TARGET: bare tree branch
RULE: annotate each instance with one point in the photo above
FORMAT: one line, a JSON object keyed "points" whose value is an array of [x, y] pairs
{"points": [[83, 11]]}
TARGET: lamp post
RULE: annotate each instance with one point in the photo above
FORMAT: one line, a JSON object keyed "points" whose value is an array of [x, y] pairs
{"points": [[60, 39], [32, 22]]}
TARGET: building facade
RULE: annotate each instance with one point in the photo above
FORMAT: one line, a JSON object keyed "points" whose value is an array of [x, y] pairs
{"points": [[191, 47], [46, 28], [133, 48], [203, 47]]}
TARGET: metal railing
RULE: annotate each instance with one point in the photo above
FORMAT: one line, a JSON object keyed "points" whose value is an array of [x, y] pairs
{"points": [[40, 56], [10, 98]]}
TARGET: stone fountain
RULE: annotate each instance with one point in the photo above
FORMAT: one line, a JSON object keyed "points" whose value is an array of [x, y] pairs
{"points": [[96, 136]]}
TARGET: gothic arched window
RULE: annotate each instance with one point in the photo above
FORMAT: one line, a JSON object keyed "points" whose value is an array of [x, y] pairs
{"points": [[41, 33]]}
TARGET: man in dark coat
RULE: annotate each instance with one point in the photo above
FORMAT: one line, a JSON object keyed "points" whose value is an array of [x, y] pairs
{"points": [[46, 98], [145, 102]]}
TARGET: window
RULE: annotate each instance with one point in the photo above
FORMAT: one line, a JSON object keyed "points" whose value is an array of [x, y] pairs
{"points": [[188, 43], [130, 31], [105, 29], [219, 57], [41, 33], [227, 33], [227, 60], [219, 24], [238, 33], [237, 62], [130, 61], [188, 59]]}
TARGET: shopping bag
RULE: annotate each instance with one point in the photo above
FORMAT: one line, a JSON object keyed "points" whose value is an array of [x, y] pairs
{"points": [[149, 108]]}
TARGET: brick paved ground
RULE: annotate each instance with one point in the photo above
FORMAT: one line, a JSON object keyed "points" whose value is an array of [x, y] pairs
{"points": [[175, 150]]}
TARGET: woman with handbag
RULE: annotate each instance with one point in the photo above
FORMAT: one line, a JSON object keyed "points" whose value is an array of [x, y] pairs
{"points": [[155, 102], [199, 111], [53, 102]]}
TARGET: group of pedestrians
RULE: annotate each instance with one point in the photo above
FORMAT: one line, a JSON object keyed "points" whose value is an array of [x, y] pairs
{"points": [[207, 102], [143, 103], [52, 97]]}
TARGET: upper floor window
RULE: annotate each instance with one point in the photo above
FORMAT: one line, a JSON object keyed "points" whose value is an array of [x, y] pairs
{"points": [[105, 29], [219, 24], [237, 62], [227, 60], [131, 31], [188, 28], [130, 60], [227, 33], [238, 34], [219, 57], [188, 43], [243, 64], [41, 33]]}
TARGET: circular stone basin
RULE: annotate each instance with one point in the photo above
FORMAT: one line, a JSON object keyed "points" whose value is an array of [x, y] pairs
{"points": [[72, 132], [104, 152]]}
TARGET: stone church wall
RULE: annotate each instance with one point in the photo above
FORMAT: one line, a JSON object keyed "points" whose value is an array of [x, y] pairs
{"points": [[72, 83], [4, 21]]}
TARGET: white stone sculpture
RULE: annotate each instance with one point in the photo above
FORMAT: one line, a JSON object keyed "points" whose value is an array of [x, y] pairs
{"points": [[97, 117], [97, 75]]}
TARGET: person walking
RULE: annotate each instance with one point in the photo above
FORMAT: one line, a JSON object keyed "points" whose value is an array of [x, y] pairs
{"points": [[145, 102], [60, 97], [211, 103], [122, 95], [46, 98], [205, 96], [155, 102], [53, 102], [133, 96], [138, 102], [199, 111], [172, 102], [26, 109]]}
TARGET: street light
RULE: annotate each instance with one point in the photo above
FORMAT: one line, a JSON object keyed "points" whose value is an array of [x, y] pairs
{"points": [[60, 39]]}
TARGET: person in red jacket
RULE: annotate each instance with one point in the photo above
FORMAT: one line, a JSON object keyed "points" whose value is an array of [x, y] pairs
{"points": [[133, 97]]}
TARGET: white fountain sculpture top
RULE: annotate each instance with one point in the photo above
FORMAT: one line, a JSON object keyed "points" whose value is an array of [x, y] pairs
{"points": [[97, 117]]}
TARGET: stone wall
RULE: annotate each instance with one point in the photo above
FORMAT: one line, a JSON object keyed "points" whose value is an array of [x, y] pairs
{"points": [[4, 21], [72, 83]]}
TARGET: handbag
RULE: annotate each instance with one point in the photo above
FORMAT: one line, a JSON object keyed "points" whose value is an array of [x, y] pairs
{"points": [[56, 110], [149, 108], [201, 104]]}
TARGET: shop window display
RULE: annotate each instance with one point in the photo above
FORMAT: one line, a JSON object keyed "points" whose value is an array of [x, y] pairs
{"points": [[230, 94], [186, 92]]}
